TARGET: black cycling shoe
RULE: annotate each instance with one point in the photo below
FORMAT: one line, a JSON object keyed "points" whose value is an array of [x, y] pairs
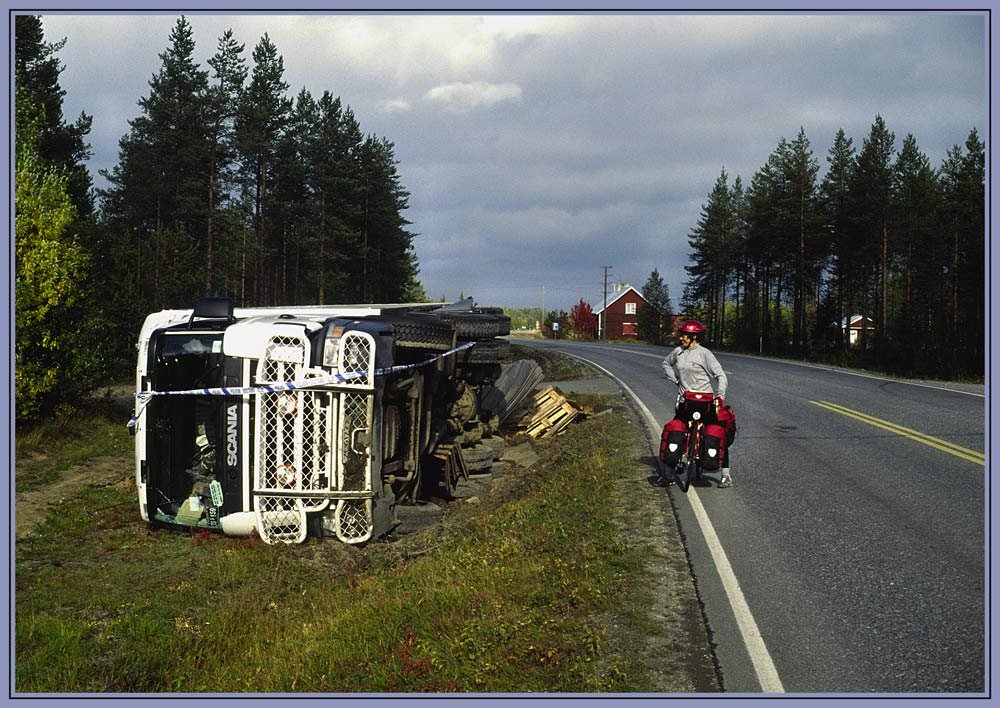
{"points": [[726, 482]]}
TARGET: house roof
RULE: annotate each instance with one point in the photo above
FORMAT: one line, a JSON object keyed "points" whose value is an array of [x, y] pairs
{"points": [[855, 321], [614, 297]]}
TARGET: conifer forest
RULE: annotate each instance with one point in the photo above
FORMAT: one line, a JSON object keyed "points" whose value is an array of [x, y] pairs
{"points": [[783, 265]]}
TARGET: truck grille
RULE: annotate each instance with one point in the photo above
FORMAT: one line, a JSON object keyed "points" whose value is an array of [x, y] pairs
{"points": [[296, 432]]}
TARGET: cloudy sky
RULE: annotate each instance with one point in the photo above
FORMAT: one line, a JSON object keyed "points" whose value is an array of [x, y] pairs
{"points": [[539, 148]]}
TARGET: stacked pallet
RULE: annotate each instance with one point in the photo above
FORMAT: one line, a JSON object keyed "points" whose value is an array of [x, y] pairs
{"points": [[553, 412]]}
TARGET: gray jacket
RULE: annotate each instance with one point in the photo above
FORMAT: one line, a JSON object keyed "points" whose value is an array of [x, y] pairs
{"points": [[693, 370]]}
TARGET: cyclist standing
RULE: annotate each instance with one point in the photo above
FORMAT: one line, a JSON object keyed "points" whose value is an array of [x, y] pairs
{"points": [[693, 368]]}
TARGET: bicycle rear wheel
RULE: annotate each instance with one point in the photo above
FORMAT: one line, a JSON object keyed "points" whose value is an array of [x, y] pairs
{"points": [[682, 475]]}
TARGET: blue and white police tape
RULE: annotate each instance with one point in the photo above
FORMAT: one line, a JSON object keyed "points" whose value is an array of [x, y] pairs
{"points": [[144, 397]]}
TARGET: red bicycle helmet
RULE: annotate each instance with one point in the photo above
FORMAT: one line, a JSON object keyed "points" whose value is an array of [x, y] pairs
{"points": [[690, 327]]}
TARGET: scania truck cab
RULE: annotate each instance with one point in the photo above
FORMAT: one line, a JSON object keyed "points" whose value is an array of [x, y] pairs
{"points": [[291, 422]]}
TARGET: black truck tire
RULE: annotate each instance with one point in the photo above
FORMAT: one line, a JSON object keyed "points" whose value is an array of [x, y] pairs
{"points": [[489, 351], [417, 331], [472, 325]]}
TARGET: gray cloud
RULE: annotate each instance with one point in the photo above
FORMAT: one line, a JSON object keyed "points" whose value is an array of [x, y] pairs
{"points": [[539, 148]]}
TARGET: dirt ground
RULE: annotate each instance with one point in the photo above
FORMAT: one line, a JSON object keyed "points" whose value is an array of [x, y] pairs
{"points": [[31, 507]]}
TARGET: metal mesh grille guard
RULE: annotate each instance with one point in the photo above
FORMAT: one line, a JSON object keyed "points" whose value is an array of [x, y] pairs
{"points": [[295, 431]]}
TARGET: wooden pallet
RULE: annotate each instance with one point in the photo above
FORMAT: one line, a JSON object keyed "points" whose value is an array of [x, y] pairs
{"points": [[553, 412]]}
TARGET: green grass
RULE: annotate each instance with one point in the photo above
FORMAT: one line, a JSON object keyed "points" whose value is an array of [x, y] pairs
{"points": [[59, 443], [513, 598], [555, 366]]}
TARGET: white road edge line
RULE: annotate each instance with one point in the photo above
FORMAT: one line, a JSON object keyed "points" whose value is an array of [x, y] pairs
{"points": [[812, 366], [767, 674]]}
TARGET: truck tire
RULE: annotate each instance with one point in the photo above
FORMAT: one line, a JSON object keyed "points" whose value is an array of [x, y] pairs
{"points": [[477, 453], [498, 444], [481, 467], [489, 351], [471, 325], [415, 331]]}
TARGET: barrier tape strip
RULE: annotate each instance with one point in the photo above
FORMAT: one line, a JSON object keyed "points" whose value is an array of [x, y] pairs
{"points": [[144, 397]]}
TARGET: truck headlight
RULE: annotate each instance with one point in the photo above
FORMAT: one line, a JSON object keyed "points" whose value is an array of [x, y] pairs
{"points": [[332, 346], [287, 404], [285, 475]]}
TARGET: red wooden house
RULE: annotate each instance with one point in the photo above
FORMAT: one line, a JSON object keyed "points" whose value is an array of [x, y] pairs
{"points": [[853, 325], [620, 319]]}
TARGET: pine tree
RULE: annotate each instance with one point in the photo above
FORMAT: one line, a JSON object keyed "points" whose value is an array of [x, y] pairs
{"points": [[157, 195], [871, 197], [963, 226], [221, 110], [763, 246], [915, 209], [883, 236], [741, 264], [263, 117], [837, 225], [712, 242], [335, 178], [799, 174], [656, 316], [386, 261], [59, 144]]}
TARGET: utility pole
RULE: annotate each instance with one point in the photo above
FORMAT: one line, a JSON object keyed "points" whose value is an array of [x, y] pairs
{"points": [[604, 312]]}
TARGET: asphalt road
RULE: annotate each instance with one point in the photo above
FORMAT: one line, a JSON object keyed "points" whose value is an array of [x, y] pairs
{"points": [[856, 545]]}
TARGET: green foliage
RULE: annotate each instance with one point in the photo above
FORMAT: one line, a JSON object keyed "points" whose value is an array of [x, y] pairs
{"points": [[56, 348], [882, 235], [414, 291], [269, 200], [57, 143], [560, 317], [656, 316], [524, 317]]}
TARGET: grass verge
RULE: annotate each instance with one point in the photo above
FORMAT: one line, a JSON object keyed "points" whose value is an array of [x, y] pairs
{"points": [[556, 366], [532, 591], [57, 444]]}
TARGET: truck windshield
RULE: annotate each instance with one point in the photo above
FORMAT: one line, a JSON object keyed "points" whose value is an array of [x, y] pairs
{"points": [[185, 430]]}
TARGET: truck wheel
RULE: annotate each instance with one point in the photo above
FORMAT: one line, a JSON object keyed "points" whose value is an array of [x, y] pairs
{"points": [[416, 332], [482, 467], [498, 444], [470, 325], [477, 453], [489, 351]]}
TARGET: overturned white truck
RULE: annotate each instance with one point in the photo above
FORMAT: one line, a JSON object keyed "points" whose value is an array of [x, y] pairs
{"points": [[304, 421]]}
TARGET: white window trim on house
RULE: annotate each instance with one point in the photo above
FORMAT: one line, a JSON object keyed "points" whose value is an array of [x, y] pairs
{"points": [[629, 308]]}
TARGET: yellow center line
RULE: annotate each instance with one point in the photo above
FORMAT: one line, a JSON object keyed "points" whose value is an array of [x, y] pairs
{"points": [[943, 445]]}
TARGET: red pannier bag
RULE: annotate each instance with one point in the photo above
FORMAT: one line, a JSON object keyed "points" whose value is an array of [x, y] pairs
{"points": [[713, 447], [692, 402], [727, 419], [672, 442]]}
